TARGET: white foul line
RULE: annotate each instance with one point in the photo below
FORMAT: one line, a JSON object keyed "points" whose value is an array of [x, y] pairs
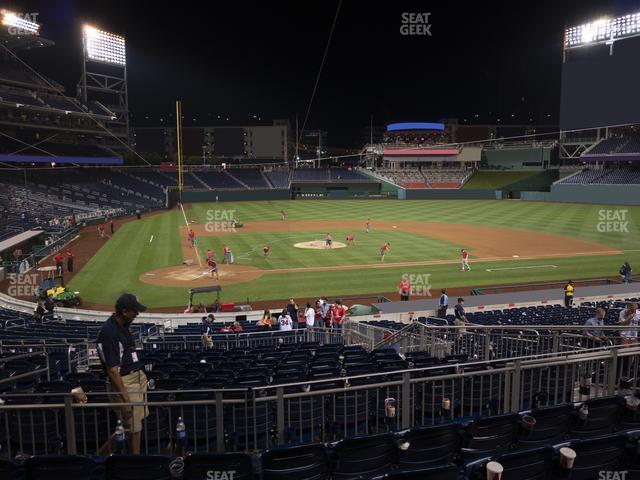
{"points": [[518, 268], [151, 239]]}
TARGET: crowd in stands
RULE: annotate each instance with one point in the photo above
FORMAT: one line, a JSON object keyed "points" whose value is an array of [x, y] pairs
{"points": [[426, 178], [607, 176], [333, 175], [415, 138]]}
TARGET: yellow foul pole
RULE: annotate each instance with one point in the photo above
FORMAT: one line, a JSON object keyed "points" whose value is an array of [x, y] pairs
{"points": [[179, 142]]}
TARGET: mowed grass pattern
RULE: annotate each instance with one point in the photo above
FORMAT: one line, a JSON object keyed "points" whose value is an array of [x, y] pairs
{"points": [[405, 247], [118, 265]]}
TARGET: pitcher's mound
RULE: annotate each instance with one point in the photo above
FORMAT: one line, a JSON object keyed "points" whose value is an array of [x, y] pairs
{"points": [[318, 245]]}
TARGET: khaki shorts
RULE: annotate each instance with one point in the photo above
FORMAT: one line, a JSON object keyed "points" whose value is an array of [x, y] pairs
{"points": [[207, 341], [136, 385]]}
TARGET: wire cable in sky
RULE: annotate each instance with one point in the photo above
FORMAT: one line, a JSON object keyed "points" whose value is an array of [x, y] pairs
{"points": [[315, 86]]}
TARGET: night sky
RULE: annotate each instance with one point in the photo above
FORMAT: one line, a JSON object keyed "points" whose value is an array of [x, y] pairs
{"points": [[239, 59]]}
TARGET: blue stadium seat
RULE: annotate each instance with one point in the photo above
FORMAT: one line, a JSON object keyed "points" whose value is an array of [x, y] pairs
{"points": [[304, 462], [137, 467], [59, 467], [196, 466]]}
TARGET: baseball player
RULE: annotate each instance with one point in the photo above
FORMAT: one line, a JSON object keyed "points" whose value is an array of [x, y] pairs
{"points": [[283, 215], [383, 250], [465, 260], [101, 230], [328, 241], [266, 250], [210, 254], [367, 225], [213, 268], [192, 237], [350, 240], [226, 254]]}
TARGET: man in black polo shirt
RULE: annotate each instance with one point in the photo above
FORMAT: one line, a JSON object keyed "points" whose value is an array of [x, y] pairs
{"points": [[461, 317], [125, 376]]}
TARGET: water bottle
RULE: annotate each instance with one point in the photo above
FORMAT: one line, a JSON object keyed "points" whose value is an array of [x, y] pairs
{"points": [[181, 433], [120, 437]]}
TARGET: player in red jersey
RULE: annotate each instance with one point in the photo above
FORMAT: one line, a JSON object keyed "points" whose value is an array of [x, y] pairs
{"points": [[465, 260], [383, 250], [266, 249]]}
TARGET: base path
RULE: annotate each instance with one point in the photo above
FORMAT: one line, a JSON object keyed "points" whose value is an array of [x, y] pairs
{"points": [[486, 244]]}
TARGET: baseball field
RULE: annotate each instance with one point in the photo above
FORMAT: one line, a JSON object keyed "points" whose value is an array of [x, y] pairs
{"points": [[508, 242]]}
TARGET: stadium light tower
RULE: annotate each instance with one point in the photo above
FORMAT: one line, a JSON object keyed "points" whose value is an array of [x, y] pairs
{"points": [[19, 24], [104, 72], [604, 30]]}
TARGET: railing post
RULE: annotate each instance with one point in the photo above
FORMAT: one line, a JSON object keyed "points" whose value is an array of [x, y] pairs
{"points": [[487, 345], [406, 400], [506, 399], [556, 342], [613, 372], [220, 447], [70, 425], [515, 387], [280, 413]]}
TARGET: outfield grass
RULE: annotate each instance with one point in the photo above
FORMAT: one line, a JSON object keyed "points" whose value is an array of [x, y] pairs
{"points": [[118, 265]]}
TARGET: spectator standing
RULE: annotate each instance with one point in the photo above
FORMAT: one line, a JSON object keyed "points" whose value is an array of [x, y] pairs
{"points": [[595, 323], [285, 322], [138, 213], [337, 314], [59, 261], [461, 317], [569, 290], [629, 317], [292, 310], [125, 375], [70, 258], [207, 331], [310, 316], [404, 289], [443, 304], [112, 227], [319, 322]]}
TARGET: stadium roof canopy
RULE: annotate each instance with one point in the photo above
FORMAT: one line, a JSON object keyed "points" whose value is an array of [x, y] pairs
{"points": [[412, 126]]}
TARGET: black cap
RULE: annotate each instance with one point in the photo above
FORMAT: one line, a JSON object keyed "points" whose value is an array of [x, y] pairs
{"points": [[128, 301]]}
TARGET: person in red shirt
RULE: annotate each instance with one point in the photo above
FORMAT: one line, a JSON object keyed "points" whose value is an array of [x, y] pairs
{"points": [[367, 225], [101, 230], [210, 254], [337, 314], [112, 226], [70, 257], [383, 250], [465, 260], [350, 240], [59, 260], [237, 327], [192, 237], [226, 254], [266, 250], [404, 289]]}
